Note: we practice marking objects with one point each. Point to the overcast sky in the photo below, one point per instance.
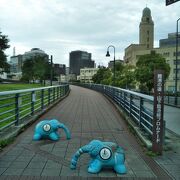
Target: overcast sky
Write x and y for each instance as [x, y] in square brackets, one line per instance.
[61, 26]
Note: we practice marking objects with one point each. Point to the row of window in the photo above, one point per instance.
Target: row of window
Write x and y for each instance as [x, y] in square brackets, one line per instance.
[178, 70]
[178, 62]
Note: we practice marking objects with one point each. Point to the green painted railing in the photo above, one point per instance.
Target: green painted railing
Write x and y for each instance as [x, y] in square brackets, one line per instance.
[19, 105]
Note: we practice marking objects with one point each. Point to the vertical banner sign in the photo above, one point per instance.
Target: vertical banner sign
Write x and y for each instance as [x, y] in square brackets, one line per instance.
[157, 145]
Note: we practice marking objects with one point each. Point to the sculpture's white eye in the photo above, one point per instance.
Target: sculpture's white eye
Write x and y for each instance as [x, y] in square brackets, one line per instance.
[46, 127]
[105, 153]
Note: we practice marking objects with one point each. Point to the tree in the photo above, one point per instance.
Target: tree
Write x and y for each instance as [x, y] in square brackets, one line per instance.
[41, 68]
[103, 76]
[4, 66]
[36, 68]
[27, 70]
[145, 67]
[125, 77]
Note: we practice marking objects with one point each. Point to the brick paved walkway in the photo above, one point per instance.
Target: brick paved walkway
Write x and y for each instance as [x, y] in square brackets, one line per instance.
[89, 115]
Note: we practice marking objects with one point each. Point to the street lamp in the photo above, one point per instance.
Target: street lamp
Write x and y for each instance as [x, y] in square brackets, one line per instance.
[108, 55]
[176, 71]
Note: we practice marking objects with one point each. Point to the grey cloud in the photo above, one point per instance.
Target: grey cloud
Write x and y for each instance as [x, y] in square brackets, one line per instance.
[60, 26]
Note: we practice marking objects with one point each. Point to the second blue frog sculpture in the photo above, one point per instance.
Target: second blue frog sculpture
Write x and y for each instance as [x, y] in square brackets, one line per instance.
[48, 129]
[104, 155]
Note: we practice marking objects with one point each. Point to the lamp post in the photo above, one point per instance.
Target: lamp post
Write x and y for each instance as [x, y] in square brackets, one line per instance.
[176, 71]
[108, 55]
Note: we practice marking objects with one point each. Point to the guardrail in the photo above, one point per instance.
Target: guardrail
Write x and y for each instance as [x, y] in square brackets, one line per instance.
[20, 104]
[137, 105]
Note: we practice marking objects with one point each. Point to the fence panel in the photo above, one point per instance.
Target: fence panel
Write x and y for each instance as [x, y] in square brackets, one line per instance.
[16, 106]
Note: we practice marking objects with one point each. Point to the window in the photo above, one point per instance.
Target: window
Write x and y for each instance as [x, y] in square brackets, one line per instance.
[177, 54]
[178, 70]
[178, 62]
[166, 54]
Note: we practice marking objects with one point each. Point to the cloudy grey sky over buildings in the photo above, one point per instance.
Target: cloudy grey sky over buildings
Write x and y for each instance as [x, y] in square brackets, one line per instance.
[61, 26]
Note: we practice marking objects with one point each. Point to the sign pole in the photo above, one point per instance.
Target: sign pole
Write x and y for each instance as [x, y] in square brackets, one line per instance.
[158, 127]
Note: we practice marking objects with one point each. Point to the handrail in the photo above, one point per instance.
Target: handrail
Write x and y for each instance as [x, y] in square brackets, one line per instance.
[27, 90]
[151, 98]
[23, 104]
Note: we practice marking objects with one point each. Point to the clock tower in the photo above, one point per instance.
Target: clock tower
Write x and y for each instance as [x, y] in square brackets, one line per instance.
[146, 29]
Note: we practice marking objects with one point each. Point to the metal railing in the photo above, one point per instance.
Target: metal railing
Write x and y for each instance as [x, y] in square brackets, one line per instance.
[138, 106]
[15, 106]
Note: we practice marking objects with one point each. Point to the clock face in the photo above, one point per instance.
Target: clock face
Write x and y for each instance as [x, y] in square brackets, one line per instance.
[105, 153]
[46, 127]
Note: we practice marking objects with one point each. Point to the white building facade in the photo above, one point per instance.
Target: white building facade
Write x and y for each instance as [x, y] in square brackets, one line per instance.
[86, 74]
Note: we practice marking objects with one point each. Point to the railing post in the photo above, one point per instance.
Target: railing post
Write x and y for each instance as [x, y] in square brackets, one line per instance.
[58, 92]
[17, 109]
[124, 96]
[130, 104]
[140, 110]
[49, 96]
[53, 94]
[42, 99]
[33, 99]
[63, 90]
[168, 97]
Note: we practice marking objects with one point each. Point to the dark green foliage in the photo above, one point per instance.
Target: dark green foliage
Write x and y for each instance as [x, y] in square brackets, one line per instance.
[4, 66]
[27, 70]
[125, 77]
[145, 67]
[103, 76]
[37, 68]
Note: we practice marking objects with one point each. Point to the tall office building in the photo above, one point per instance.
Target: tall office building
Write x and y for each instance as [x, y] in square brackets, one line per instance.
[78, 60]
[16, 64]
[59, 69]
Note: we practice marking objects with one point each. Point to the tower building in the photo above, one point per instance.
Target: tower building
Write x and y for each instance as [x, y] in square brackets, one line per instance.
[146, 29]
[167, 49]
[146, 38]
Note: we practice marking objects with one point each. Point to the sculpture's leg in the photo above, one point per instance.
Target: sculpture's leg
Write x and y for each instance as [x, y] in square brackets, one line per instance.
[54, 136]
[37, 137]
[57, 134]
[95, 166]
[119, 167]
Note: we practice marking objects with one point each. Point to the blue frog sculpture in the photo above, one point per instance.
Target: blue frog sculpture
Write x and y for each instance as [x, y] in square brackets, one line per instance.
[104, 155]
[48, 129]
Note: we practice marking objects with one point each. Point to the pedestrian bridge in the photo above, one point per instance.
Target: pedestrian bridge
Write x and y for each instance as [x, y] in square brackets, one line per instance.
[89, 115]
